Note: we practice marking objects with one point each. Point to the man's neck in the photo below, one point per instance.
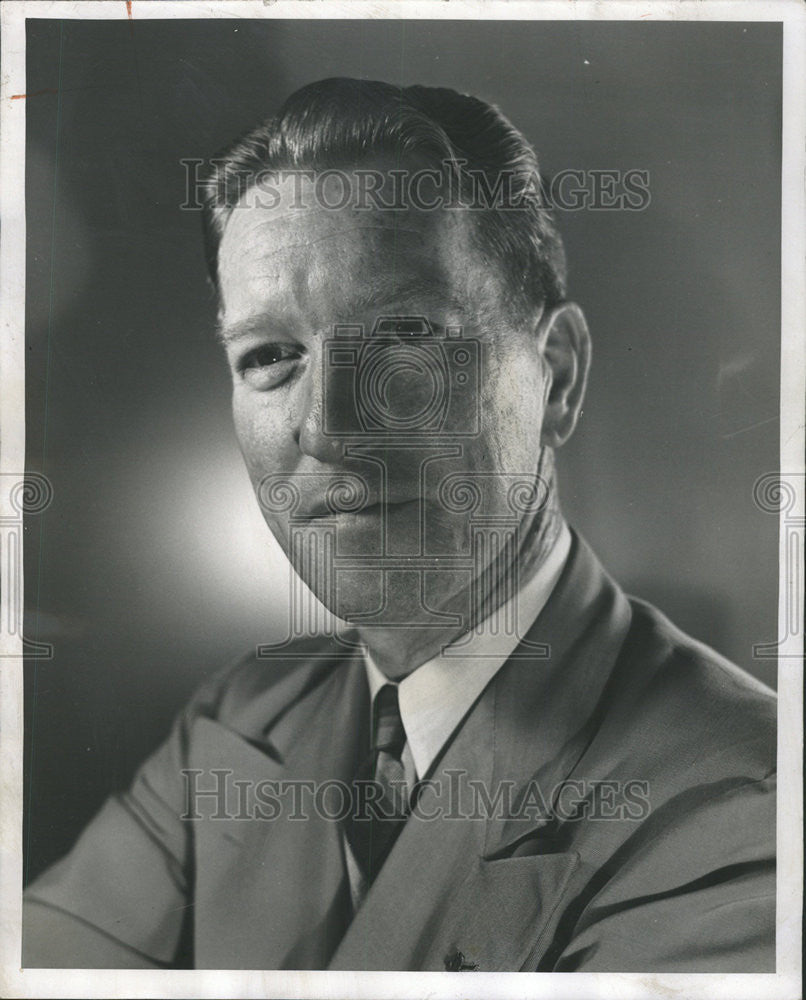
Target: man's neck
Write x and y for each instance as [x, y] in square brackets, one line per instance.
[399, 650]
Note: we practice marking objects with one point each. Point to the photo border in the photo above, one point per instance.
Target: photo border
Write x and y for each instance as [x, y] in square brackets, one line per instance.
[786, 982]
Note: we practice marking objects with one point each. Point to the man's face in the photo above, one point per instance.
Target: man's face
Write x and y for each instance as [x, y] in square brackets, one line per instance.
[431, 433]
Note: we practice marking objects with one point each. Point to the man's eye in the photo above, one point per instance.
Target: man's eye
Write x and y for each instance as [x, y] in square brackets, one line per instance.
[269, 365]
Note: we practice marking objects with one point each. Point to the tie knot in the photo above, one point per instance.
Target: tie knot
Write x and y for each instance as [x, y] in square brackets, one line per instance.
[389, 732]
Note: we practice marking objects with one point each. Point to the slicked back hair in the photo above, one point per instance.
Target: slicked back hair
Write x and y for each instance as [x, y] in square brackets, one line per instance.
[343, 123]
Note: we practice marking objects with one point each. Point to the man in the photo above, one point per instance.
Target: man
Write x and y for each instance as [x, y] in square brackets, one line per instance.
[500, 763]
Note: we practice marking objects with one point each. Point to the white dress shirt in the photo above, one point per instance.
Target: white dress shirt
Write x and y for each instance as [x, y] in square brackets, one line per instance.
[435, 697]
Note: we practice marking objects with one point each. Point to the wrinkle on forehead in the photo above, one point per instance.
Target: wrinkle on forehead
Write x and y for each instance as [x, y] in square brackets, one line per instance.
[313, 241]
[269, 261]
[318, 222]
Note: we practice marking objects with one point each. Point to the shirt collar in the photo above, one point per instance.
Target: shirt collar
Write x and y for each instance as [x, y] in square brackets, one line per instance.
[435, 697]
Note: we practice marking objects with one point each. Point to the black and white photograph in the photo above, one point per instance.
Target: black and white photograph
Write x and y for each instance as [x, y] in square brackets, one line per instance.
[402, 499]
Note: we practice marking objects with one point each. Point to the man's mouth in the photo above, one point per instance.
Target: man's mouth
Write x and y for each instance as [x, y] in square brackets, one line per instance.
[375, 508]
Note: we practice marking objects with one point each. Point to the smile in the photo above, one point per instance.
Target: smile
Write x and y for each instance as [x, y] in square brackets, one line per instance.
[373, 510]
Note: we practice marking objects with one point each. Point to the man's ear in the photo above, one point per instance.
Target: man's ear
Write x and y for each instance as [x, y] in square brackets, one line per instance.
[566, 348]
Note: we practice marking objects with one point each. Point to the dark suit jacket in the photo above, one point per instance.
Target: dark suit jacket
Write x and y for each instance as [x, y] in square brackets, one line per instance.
[605, 883]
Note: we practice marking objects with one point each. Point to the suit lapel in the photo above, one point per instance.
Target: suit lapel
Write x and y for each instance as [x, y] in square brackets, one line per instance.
[271, 889]
[547, 711]
[404, 908]
[489, 887]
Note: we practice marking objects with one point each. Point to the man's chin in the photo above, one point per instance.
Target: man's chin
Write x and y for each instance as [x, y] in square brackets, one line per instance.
[396, 597]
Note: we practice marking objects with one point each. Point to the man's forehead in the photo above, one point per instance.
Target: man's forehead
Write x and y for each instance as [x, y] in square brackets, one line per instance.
[285, 227]
[361, 259]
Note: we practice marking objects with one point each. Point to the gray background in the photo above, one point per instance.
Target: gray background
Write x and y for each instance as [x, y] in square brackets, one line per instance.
[151, 568]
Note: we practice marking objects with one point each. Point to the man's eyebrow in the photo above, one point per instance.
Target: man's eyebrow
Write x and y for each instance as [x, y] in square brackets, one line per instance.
[228, 332]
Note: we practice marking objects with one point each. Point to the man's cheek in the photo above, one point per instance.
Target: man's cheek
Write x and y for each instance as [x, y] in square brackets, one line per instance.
[512, 411]
[260, 442]
[244, 426]
[279, 528]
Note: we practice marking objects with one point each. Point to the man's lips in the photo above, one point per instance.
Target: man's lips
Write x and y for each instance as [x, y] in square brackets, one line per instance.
[374, 509]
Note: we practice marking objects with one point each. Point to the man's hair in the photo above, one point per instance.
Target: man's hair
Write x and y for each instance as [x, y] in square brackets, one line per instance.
[341, 123]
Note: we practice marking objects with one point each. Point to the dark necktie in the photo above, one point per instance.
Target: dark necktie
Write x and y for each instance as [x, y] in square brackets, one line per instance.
[381, 799]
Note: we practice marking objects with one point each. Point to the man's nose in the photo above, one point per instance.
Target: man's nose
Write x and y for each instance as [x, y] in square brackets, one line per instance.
[328, 413]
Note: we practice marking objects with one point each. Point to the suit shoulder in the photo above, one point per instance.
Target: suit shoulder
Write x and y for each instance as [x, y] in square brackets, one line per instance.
[273, 678]
[679, 650]
[691, 702]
